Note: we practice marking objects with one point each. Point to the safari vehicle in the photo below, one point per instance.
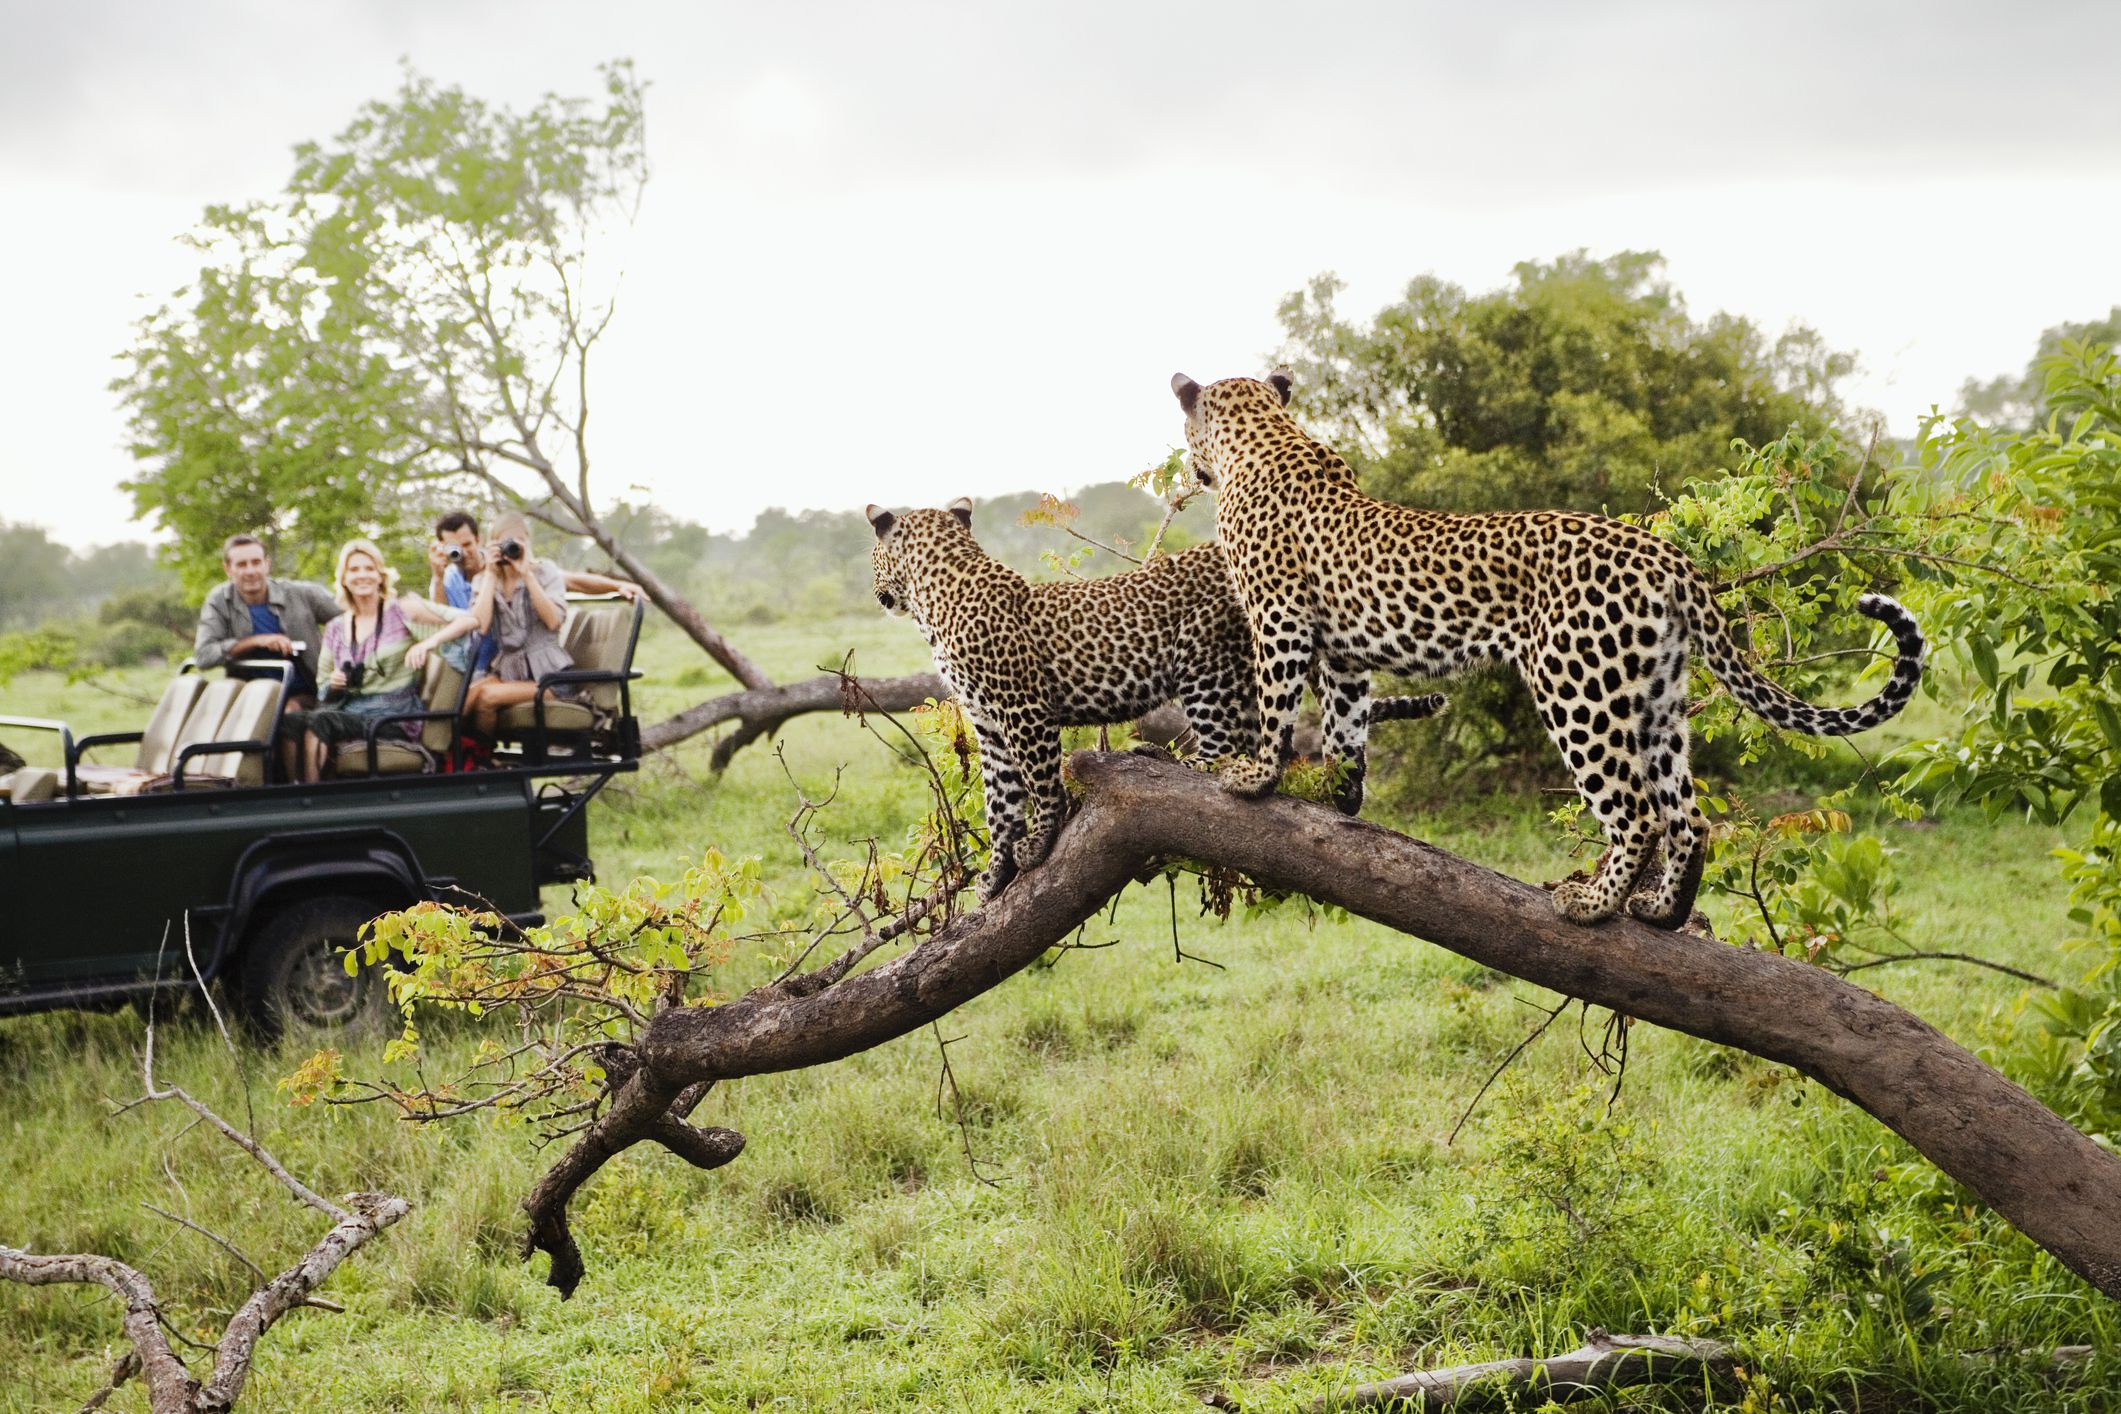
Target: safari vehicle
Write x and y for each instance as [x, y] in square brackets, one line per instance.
[191, 865]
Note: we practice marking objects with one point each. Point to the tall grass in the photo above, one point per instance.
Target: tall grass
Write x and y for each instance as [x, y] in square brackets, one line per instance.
[1195, 1176]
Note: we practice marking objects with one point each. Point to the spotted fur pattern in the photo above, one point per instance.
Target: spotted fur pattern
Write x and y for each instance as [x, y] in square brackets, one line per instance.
[1025, 660]
[1596, 615]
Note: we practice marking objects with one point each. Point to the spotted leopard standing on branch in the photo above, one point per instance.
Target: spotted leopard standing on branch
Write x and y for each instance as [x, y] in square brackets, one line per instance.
[1025, 660]
[1597, 616]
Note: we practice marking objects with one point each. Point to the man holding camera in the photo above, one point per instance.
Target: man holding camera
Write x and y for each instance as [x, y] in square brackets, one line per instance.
[456, 559]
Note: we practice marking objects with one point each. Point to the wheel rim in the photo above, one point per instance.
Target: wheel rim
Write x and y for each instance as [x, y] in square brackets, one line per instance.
[319, 991]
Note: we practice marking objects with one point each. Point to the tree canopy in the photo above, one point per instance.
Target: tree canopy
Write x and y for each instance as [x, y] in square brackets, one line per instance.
[1584, 383]
[409, 321]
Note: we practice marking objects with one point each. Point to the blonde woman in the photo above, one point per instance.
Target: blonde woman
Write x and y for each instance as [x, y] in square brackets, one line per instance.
[372, 656]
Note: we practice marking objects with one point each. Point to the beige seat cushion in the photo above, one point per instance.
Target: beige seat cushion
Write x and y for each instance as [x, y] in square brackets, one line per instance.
[441, 689]
[560, 716]
[30, 784]
[393, 758]
[203, 723]
[157, 742]
[596, 640]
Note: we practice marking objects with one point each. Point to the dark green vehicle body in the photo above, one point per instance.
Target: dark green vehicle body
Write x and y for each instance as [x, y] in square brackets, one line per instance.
[103, 886]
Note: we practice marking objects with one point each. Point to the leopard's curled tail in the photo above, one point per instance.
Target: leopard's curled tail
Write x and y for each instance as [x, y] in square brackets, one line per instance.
[1712, 636]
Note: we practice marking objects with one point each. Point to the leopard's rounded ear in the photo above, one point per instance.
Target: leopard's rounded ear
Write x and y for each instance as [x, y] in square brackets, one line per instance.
[1281, 380]
[1188, 392]
[962, 509]
[882, 519]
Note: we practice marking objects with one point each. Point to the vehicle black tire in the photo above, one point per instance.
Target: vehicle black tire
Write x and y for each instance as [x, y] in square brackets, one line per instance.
[294, 978]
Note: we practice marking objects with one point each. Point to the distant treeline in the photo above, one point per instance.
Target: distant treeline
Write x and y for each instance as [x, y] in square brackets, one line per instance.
[805, 564]
[789, 564]
[41, 580]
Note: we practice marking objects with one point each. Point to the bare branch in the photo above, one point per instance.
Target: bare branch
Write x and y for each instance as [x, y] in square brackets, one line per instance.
[1845, 968]
[214, 1237]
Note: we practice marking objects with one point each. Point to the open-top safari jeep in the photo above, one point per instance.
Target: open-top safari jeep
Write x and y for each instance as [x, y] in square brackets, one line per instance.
[190, 863]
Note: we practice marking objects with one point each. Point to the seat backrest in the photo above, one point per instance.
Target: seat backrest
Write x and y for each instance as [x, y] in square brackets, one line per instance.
[203, 722]
[249, 718]
[441, 690]
[161, 734]
[597, 639]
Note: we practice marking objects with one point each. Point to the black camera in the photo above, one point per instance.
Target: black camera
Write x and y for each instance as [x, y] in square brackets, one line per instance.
[454, 554]
[355, 673]
[511, 550]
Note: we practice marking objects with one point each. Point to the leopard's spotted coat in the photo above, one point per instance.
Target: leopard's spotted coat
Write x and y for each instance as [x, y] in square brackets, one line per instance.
[1597, 615]
[1025, 660]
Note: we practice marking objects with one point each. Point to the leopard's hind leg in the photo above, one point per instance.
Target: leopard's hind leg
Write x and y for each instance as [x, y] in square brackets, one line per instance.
[1667, 901]
[1344, 704]
[1282, 650]
[1002, 784]
[1222, 708]
[1592, 712]
[1038, 755]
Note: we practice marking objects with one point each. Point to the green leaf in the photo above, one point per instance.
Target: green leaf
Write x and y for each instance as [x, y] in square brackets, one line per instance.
[1984, 655]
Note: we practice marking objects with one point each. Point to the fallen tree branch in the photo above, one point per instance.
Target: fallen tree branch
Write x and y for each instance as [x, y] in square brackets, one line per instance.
[761, 711]
[2053, 1183]
[1602, 1362]
[170, 1386]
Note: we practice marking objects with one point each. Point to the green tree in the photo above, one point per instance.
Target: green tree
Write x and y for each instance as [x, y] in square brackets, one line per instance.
[1582, 384]
[411, 322]
[2006, 543]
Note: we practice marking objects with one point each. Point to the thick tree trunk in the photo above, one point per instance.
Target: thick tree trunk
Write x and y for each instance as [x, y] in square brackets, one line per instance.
[2058, 1187]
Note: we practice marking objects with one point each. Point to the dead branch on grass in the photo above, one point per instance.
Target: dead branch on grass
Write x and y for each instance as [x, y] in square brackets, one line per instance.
[172, 1389]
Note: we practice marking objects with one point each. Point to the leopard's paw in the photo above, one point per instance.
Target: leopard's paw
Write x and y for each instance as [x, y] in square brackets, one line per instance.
[1000, 871]
[1154, 750]
[1652, 907]
[1032, 849]
[1247, 776]
[1577, 900]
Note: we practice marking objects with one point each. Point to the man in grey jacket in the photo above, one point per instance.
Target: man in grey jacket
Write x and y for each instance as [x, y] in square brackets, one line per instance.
[257, 616]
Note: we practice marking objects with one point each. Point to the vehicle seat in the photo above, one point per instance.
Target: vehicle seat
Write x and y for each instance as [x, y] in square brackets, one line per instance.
[597, 638]
[251, 717]
[442, 689]
[157, 743]
[201, 724]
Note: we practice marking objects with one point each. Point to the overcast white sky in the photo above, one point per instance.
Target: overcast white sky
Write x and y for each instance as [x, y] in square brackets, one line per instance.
[898, 252]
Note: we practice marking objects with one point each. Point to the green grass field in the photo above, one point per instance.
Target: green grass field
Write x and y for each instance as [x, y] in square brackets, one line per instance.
[1188, 1177]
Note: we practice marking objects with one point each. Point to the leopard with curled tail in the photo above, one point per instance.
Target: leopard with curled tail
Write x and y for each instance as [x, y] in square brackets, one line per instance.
[1596, 615]
[1025, 660]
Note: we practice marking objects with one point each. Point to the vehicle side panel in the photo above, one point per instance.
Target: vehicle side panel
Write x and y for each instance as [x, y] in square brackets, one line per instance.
[98, 879]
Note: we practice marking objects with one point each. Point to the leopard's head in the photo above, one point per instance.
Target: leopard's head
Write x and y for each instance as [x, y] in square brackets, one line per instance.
[1215, 413]
[904, 543]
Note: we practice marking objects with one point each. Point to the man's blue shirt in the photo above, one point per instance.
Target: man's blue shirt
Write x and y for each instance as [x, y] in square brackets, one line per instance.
[455, 588]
